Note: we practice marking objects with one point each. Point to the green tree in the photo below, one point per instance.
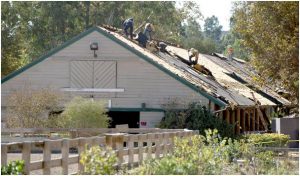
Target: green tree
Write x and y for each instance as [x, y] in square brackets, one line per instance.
[239, 51]
[270, 30]
[12, 41]
[85, 113]
[212, 28]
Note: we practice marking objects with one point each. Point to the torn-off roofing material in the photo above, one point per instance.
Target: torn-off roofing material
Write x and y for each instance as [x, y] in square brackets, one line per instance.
[232, 82]
[219, 90]
[235, 75]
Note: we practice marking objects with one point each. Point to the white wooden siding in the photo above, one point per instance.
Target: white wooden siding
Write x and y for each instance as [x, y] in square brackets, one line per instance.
[150, 119]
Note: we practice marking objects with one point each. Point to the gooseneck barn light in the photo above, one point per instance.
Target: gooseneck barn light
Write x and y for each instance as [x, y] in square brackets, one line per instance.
[94, 47]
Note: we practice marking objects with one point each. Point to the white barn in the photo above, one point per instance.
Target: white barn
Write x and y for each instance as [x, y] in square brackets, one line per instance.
[134, 82]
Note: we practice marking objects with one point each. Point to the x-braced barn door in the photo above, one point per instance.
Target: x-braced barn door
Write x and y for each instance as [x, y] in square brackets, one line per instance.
[93, 74]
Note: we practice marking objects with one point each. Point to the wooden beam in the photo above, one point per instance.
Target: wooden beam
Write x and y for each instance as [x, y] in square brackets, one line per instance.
[243, 119]
[221, 114]
[233, 120]
[253, 119]
[261, 116]
[227, 116]
[256, 120]
[248, 120]
[238, 125]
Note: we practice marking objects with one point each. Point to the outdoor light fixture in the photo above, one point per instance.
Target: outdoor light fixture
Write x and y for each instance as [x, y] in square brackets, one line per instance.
[94, 47]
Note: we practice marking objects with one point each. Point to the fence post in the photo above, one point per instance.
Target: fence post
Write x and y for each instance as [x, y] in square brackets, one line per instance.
[119, 141]
[3, 154]
[165, 143]
[150, 137]
[158, 145]
[141, 139]
[26, 151]
[108, 139]
[130, 151]
[81, 143]
[47, 157]
[115, 141]
[65, 156]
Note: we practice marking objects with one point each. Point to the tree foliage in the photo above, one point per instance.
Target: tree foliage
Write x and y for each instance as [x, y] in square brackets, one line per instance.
[212, 28]
[270, 30]
[29, 108]
[84, 113]
[196, 117]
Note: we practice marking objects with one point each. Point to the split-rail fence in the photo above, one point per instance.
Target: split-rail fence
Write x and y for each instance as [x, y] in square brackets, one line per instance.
[131, 149]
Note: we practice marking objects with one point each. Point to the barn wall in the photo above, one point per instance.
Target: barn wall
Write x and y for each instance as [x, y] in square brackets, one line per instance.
[143, 82]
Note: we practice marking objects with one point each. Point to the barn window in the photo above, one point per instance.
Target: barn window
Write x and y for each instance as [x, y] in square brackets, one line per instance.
[93, 74]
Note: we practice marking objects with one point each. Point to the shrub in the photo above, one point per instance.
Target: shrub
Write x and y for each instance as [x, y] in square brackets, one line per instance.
[13, 168]
[98, 161]
[184, 160]
[85, 113]
[28, 108]
[215, 155]
[268, 139]
[196, 117]
[190, 156]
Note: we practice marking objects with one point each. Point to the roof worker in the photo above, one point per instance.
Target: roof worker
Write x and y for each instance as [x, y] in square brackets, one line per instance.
[149, 31]
[162, 46]
[128, 24]
[193, 53]
[230, 52]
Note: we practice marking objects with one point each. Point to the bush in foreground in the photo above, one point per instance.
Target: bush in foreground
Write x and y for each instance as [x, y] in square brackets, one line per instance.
[13, 168]
[196, 117]
[85, 113]
[215, 155]
[98, 161]
[268, 139]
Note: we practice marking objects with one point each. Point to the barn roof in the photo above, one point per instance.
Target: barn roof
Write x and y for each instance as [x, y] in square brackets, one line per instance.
[231, 84]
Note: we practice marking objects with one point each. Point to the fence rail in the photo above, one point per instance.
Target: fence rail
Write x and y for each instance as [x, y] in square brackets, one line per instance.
[80, 132]
[131, 149]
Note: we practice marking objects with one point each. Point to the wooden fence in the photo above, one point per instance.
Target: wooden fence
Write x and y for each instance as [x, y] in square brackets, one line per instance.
[131, 149]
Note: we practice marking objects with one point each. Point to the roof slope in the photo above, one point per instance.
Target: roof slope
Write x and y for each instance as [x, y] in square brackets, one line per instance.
[227, 87]
[235, 76]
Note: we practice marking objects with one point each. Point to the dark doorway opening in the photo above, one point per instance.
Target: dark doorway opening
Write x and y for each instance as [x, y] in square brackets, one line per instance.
[130, 118]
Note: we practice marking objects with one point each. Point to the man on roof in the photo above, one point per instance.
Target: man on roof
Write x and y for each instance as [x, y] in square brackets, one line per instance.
[193, 53]
[149, 31]
[230, 52]
[128, 24]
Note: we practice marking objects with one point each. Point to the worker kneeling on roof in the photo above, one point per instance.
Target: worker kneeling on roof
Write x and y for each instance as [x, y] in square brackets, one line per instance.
[149, 31]
[128, 24]
[193, 53]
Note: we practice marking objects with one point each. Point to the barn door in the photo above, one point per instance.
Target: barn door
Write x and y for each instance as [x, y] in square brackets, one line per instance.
[93, 74]
[81, 74]
[104, 74]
